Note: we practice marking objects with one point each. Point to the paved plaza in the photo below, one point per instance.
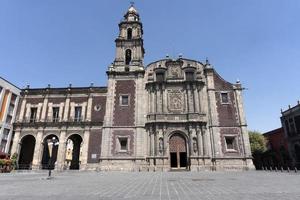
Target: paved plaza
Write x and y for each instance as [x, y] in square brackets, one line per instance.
[150, 185]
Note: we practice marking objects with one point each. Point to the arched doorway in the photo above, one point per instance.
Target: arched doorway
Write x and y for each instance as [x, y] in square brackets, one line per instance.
[46, 154]
[26, 152]
[178, 151]
[73, 151]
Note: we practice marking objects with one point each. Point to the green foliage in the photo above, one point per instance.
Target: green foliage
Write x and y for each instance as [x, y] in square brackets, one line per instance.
[14, 158]
[257, 142]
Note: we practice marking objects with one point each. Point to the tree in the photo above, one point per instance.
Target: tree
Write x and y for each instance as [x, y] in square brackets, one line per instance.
[258, 148]
[257, 142]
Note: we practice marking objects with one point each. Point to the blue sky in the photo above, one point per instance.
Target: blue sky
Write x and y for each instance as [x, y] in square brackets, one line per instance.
[72, 41]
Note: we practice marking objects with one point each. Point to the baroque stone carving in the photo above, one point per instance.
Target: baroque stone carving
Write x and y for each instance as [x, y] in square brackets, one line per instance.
[175, 100]
[174, 69]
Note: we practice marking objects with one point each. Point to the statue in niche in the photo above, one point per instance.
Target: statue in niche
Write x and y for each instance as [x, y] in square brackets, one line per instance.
[195, 146]
[161, 145]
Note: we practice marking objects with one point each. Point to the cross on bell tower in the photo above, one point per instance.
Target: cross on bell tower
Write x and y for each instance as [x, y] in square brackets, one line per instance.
[129, 44]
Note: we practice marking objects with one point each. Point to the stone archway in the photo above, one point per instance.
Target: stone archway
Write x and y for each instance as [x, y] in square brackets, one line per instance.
[178, 151]
[73, 151]
[46, 154]
[26, 152]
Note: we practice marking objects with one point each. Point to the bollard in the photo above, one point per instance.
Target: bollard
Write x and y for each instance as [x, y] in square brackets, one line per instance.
[275, 169]
[295, 169]
[281, 169]
[288, 169]
[270, 168]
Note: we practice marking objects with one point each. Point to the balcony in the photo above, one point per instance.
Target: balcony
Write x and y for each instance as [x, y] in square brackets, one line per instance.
[176, 118]
[28, 122]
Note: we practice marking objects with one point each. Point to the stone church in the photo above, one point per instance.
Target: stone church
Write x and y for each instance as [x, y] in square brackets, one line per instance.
[172, 114]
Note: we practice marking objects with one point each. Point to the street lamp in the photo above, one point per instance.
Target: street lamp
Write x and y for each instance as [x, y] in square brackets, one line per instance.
[51, 143]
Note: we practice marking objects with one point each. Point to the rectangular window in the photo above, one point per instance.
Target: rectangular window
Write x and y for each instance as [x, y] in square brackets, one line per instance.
[33, 112]
[124, 100]
[5, 134]
[11, 109]
[287, 127]
[3, 145]
[292, 126]
[224, 97]
[13, 99]
[123, 144]
[55, 113]
[160, 77]
[189, 76]
[77, 117]
[230, 143]
[297, 122]
[8, 119]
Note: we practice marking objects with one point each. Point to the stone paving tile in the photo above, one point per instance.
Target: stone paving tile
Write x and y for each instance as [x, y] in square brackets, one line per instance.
[150, 185]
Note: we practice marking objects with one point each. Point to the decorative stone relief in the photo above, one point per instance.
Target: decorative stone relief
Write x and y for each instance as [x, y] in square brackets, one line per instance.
[175, 100]
[174, 70]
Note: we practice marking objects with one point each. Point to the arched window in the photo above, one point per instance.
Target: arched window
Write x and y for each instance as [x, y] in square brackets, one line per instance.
[127, 56]
[129, 34]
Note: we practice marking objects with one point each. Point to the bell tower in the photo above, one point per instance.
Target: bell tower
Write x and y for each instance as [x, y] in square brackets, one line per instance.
[123, 133]
[129, 44]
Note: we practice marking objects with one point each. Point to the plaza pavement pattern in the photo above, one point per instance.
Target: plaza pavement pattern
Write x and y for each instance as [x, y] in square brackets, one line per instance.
[73, 185]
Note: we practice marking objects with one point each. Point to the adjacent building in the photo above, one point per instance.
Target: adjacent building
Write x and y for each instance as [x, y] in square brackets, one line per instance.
[290, 121]
[277, 154]
[172, 114]
[9, 97]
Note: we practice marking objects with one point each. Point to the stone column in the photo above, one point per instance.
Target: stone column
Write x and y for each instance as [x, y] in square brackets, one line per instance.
[44, 109]
[38, 113]
[89, 108]
[149, 99]
[165, 102]
[85, 148]
[200, 142]
[36, 162]
[152, 143]
[154, 110]
[66, 111]
[158, 99]
[27, 115]
[61, 151]
[206, 142]
[190, 99]
[61, 107]
[242, 120]
[213, 114]
[22, 110]
[196, 99]
[16, 141]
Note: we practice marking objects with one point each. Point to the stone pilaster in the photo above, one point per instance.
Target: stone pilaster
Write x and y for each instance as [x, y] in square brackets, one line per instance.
[61, 150]
[196, 99]
[242, 120]
[23, 108]
[36, 162]
[67, 107]
[16, 141]
[200, 142]
[44, 109]
[85, 147]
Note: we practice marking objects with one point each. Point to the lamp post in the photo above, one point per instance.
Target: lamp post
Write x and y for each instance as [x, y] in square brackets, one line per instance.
[51, 144]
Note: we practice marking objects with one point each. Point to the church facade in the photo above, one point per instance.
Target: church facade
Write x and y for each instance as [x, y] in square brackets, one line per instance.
[171, 114]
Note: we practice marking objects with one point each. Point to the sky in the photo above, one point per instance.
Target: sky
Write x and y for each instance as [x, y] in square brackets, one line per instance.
[59, 42]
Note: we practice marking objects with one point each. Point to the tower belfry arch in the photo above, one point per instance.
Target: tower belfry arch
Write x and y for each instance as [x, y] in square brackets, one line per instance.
[129, 44]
